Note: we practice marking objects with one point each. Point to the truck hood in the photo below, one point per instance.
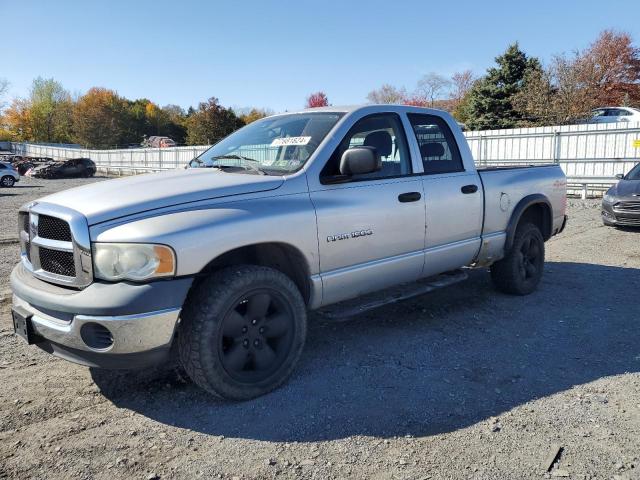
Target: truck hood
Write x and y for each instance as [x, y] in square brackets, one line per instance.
[112, 199]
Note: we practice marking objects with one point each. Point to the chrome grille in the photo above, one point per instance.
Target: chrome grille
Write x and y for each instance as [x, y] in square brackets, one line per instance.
[635, 222]
[53, 228]
[58, 262]
[24, 222]
[23, 233]
[627, 212]
[55, 244]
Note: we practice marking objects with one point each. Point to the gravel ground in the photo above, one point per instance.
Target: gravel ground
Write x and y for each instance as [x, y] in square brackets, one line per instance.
[460, 383]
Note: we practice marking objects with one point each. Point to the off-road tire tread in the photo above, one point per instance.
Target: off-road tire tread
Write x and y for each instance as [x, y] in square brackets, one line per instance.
[504, 273]
[203, 305]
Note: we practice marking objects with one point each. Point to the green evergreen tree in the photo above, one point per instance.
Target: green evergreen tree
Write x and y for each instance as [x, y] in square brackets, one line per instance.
[490, 102]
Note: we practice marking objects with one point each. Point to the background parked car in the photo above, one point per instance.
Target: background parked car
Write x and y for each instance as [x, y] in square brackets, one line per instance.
[75, 167]
[8, 176]
[621, 203]
[614, 114]
[158, 142]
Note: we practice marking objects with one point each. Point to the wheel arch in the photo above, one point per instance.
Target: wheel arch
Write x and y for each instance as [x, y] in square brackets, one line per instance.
[280, 256]
[535, 208]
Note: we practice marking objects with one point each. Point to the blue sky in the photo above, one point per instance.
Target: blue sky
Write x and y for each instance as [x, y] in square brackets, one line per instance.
[273, 54]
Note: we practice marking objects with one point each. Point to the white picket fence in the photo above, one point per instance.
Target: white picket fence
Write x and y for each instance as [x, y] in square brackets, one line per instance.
[590, 155]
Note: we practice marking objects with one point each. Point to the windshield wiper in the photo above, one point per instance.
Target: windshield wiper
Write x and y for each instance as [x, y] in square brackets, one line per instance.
[250, 166]
[233, 155]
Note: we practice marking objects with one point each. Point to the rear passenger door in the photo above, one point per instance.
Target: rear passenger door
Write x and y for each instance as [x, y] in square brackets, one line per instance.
[453, 197]
[370, 227]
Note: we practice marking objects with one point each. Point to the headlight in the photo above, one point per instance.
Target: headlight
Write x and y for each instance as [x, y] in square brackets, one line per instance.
[608, 198]
[132, 261]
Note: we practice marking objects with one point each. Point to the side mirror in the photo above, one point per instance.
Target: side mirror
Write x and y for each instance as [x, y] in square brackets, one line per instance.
[360, 160]
[620, 176]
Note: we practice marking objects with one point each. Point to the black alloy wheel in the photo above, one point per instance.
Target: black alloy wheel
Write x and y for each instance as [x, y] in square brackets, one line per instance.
[256, 338]
[529, 257]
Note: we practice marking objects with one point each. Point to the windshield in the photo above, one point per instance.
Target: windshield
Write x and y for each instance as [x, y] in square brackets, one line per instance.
[634, 174]
[273, 145]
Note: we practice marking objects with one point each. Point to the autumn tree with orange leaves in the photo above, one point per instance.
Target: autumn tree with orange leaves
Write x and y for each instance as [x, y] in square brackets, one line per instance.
[607, 73]
[610, 69]
[98, 118]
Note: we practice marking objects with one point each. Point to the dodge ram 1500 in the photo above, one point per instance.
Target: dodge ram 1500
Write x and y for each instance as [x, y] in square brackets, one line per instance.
[223, 259]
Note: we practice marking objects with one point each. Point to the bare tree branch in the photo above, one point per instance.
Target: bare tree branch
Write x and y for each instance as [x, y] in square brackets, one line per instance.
[432, 85]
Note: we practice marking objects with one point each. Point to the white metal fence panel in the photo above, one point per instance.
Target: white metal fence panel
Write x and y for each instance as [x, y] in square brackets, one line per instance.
[590, 155]
[131, 159]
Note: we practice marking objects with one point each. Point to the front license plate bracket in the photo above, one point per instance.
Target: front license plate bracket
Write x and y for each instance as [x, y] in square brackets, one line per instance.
[22, 326]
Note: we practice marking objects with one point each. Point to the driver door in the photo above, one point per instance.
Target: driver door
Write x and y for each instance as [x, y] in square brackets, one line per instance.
[371, 228]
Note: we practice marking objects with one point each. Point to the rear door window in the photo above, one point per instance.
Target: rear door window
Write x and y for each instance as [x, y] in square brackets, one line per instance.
[438, 148]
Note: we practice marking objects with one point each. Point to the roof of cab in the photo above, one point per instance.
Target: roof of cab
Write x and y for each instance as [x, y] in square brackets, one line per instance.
[353, 108]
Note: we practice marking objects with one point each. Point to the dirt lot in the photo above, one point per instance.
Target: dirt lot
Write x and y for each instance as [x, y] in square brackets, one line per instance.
[460, 383]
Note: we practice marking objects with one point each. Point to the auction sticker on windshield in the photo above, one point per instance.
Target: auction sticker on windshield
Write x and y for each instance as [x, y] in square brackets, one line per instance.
[287, 141]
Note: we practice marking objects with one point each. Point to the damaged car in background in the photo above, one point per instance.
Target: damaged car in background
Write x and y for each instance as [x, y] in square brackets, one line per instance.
[73, 168]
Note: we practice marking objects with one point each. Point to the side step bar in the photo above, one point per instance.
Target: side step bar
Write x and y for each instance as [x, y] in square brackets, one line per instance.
[350, 308]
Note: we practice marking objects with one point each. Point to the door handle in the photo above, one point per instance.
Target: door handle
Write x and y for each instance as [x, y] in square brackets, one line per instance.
[409, 197]
[469, 189]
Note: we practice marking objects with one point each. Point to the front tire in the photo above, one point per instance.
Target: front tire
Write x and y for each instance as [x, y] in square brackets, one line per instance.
[520, 271]
[242, 331]
[7, 181]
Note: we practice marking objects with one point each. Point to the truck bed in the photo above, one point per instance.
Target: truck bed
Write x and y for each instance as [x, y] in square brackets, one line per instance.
[505, 186]
[512, 167]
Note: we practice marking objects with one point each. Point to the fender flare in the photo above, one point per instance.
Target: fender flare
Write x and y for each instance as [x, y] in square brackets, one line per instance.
[518, 211]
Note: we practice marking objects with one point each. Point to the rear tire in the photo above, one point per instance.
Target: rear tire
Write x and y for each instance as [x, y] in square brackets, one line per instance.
[242, 331]
[520, 271]
[7, 181]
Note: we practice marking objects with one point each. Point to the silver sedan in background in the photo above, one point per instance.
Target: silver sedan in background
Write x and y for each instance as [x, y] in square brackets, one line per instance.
[8, 175]
[621, 203]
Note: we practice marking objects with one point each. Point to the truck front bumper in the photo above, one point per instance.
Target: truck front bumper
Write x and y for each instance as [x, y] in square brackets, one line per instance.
[116, 325]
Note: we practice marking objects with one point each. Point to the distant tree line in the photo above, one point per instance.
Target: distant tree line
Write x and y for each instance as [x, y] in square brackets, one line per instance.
[519, 91]
[101, 118]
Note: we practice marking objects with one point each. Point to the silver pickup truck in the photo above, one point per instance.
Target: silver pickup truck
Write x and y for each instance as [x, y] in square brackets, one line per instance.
[222, 260]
